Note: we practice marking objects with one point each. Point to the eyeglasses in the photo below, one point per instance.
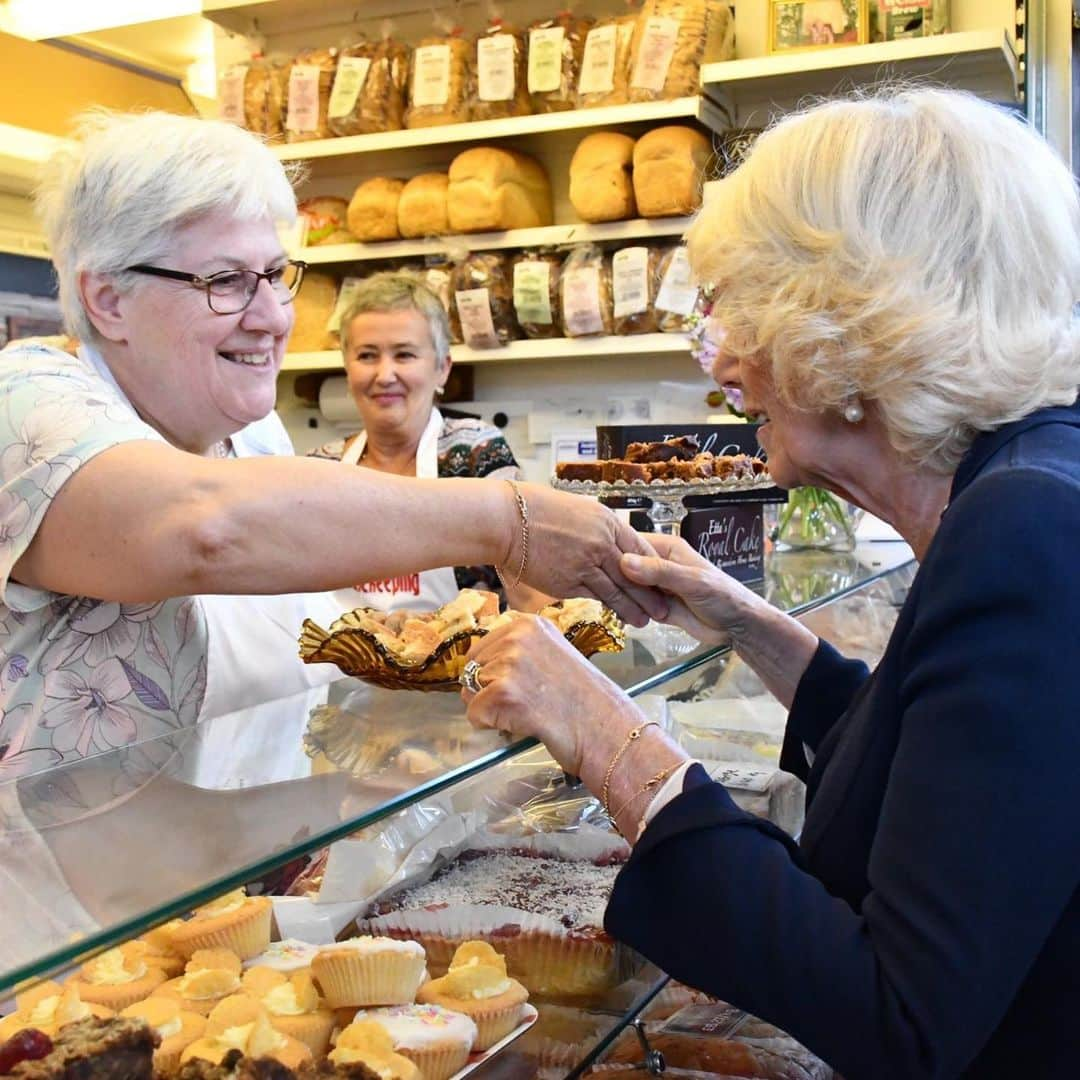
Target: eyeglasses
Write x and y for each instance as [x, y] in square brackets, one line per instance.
[229, 292]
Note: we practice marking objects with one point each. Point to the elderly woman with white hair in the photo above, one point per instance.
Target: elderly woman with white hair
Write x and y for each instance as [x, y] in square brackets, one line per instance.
[895, 286]
[140, 482]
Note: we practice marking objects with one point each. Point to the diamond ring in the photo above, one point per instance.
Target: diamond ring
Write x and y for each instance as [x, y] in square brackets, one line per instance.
[470, 677]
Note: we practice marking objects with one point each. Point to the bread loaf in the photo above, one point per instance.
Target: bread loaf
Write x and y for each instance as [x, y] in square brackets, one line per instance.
[676, 294]
[325, 217]
[669, 46]
[314, 305]
[483, 293]
[605, 63]
[373, 209]
[499, 62]
[492, 189]
[585, 292]
[422, 206]
[311, 80]
[669, 169]
[440, 82]
[601, 186]
[633, 289]
[369, 88]
[555, 47]
[266, 86]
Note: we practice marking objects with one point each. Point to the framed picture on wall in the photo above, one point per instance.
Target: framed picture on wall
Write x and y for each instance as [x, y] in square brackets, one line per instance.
[817, 24]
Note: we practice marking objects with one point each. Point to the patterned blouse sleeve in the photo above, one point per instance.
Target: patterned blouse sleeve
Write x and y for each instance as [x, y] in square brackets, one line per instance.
[55, 415]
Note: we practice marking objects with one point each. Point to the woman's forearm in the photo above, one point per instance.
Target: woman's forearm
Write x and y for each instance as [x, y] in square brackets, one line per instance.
[776, 647]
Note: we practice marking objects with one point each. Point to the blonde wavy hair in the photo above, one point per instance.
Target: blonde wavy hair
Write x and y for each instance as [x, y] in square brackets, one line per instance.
[917, 248]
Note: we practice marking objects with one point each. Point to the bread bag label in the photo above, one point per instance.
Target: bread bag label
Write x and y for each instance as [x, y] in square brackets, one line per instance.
[350, 286]
[545, 59]
[581, 301]
[532, 292]
[655, 51]
[677, 292]
[438, 281]
[431, 78]
[598, 62]
[630, 281]
[495, 67]
[231, 94]
[352, 71]
[474, 311]
[303, 111]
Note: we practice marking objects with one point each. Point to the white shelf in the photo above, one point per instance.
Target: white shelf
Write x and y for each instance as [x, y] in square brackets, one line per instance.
[551, 235]
[590, 348]
[982, 61]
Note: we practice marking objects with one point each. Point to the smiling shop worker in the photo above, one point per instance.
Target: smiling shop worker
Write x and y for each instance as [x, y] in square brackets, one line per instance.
[395, 338]
[140, 562]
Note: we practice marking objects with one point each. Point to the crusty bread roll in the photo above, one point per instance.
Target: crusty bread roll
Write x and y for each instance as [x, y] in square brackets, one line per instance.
[492, 189]
[314, 305]
[325, 216]
[373, 209]
[422, 206]
[669, 169]
[601, 188]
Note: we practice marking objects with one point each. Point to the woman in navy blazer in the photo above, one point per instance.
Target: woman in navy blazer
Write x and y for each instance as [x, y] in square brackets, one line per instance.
[895, 280]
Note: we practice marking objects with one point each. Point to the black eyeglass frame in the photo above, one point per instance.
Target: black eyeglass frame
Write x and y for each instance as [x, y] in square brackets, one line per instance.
[206, 283]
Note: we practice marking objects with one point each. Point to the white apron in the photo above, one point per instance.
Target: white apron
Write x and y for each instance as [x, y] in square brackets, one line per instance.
[423, 591]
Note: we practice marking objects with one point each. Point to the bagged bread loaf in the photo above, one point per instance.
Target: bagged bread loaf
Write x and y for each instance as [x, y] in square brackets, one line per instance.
[601, 182]
[605, 63]
[676, 293]
[634, 280]
[555, 47]
[369, 88]
[440, 82]
[325, 217]
[311, 80]
[265, 92]
[492, 189]
[585, 292]
[373, 209]
[483, 295]
[536, 293]
[669, 168]
[314, 305]
[421, 208]
[500, 65]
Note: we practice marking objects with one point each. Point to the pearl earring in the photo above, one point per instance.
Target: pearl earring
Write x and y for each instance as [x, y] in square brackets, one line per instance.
[853, 411]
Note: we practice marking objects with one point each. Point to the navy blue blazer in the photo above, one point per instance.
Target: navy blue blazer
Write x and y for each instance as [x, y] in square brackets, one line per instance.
[928, 925]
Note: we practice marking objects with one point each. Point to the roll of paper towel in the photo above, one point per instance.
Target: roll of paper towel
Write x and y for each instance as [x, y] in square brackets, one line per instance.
[336, 403]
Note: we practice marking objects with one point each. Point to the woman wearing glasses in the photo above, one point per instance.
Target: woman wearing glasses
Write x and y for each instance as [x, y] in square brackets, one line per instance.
[143, 477]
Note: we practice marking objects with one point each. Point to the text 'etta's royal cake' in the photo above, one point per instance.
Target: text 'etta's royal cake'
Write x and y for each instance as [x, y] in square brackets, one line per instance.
[545, 915]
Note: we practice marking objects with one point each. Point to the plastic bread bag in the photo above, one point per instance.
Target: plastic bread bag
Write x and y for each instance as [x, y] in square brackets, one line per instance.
[555, 47]
[311, 81]
[634, 280]
[440, 85]
[585, 292]
[536, 293]
[500, 63]
[369, 87]
[604, 78]
[265, 92]
[483, 296]
[676, 293]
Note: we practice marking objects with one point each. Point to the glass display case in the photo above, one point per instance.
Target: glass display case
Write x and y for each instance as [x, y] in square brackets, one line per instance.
[101, 850]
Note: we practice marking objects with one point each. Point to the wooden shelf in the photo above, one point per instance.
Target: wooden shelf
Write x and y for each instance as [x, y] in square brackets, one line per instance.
[551, 235]
[590, 348]
[982, 61]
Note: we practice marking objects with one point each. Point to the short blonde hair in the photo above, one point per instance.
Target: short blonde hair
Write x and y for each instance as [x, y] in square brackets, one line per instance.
[117, 194]
[398, 291]
[918, 248]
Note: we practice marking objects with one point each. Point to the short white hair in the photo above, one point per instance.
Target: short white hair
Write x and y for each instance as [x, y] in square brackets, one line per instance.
[918, 248]
[117, 194]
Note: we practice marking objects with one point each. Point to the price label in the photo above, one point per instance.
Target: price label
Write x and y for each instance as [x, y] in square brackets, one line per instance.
[495, 57]
[598, 62]
[545, 59]
[581, 301]
[231, 94]
[630, 281]
[352, 72]
[431, 75]
[677, 292]
[532, 292]
[654, 54]
[303, 110]
[474, 311]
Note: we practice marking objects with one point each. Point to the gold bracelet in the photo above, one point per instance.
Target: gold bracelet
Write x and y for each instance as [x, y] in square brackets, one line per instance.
[631, 737]
[523, 513]
[653, 782]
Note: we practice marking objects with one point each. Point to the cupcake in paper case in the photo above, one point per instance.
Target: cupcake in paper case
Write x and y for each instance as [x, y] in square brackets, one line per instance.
[199, 990]
[117, 978]
[48, 1006]
[293, 1005]
[234, 921]
[252, 1034]
[369, 971]
[478, 986]
[176, 1027]
[286, 956]
[437, 1040]
[368, 1044]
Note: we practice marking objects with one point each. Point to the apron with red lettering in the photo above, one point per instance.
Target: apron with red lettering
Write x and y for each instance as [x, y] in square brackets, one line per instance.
[422, 591]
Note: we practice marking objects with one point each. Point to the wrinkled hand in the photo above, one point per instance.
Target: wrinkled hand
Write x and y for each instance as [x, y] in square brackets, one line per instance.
[574, 550]
[535, 683]
[704, 601]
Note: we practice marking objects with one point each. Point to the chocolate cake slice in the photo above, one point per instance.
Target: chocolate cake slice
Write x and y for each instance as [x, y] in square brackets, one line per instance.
[235, 1066]
[682, 448]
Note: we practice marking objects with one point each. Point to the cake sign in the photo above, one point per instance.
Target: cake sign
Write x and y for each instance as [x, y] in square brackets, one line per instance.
[730, 537]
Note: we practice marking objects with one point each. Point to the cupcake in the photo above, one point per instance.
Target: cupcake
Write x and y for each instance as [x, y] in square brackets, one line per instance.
[368, 1043]
[287, 956]
[48, 1007]
[214, 960]
[437, 1040]
[201, 989]
[177, 1028]
[293, 1006]
[234, 921]
[117, 978]
[254, 1038]
[369, 971]
[477, 985]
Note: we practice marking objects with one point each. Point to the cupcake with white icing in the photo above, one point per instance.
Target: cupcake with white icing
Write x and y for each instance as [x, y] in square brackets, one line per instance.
[437, 1040]
[288, 956]
[369, 971]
